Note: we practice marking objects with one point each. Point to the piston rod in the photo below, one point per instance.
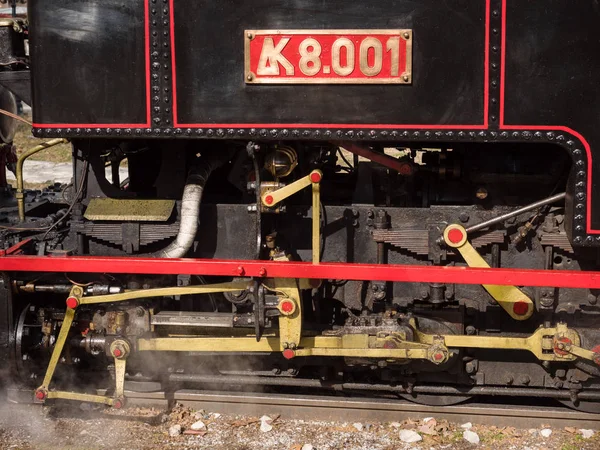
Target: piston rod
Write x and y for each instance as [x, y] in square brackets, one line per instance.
[503, 217]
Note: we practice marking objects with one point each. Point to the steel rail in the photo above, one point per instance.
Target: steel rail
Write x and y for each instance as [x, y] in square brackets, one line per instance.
[351, 409]
[333, 408]
[234, 380]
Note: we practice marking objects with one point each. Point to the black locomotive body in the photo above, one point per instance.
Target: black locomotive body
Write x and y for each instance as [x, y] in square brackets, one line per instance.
[383, 195]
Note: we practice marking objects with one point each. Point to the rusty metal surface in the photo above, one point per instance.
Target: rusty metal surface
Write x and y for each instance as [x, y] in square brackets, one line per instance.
[130, 210]
[560, 240]
[417, 241]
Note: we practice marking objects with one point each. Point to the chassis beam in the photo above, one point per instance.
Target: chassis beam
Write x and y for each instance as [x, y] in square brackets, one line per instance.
[277, 269]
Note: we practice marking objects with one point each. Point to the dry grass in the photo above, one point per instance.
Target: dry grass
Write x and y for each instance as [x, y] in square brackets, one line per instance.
[33, 186]
[24, 140]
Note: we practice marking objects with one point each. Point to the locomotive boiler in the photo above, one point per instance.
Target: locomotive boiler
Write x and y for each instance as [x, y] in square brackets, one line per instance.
[388, 196]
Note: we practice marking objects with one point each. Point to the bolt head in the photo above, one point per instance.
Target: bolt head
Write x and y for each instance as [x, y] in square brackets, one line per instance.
[262, 272]
[40, 394]
[287, 306]
[269, 200]
[390, 345]
[117, 352]
[315, 177]
[481, 193]
[455, 235]
[520, 308]
[240, 270]
[561, 345]
[405, 169]
[72, 302]
[288, 353]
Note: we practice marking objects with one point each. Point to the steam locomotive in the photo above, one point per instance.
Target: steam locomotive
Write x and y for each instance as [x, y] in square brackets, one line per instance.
[386, 196]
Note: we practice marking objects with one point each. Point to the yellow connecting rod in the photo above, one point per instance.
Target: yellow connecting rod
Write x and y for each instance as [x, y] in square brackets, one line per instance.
[518, 305]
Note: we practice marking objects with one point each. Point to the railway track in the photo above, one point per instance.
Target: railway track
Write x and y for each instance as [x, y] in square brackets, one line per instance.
[335, 408]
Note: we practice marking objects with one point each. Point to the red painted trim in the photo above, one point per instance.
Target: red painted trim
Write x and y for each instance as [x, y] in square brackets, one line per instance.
[486, 87]
[173, 69]
[502, 61]
[91, 125]
[331, 125]
[148, 99]
[275, 269]
[340, 126]
[147, 39]
[578, 135]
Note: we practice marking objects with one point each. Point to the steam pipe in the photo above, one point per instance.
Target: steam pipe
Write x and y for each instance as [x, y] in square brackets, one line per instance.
[19, 172]
[517, 212]
[190, 210]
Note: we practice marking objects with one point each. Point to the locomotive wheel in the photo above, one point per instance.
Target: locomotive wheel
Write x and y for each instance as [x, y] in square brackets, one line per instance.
[583, 406]
[435, 326]
[27, 339]
[435, 400]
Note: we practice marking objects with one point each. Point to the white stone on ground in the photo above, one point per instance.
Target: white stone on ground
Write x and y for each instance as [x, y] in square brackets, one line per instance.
[307, 447]
[471, 436]
[265, 424]
[546, 432]
[395, 424]
[410, 436]
[467, 426]
[358, 426]
[586, 434]
[197, 426]
[175, 430]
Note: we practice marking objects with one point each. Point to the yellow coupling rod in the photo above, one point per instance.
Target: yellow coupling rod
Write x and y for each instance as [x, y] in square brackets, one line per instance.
[19, 174]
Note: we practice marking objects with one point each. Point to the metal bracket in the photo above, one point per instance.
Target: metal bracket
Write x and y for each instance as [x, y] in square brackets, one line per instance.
[290, 307]
[271, 199]
[517, 304]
